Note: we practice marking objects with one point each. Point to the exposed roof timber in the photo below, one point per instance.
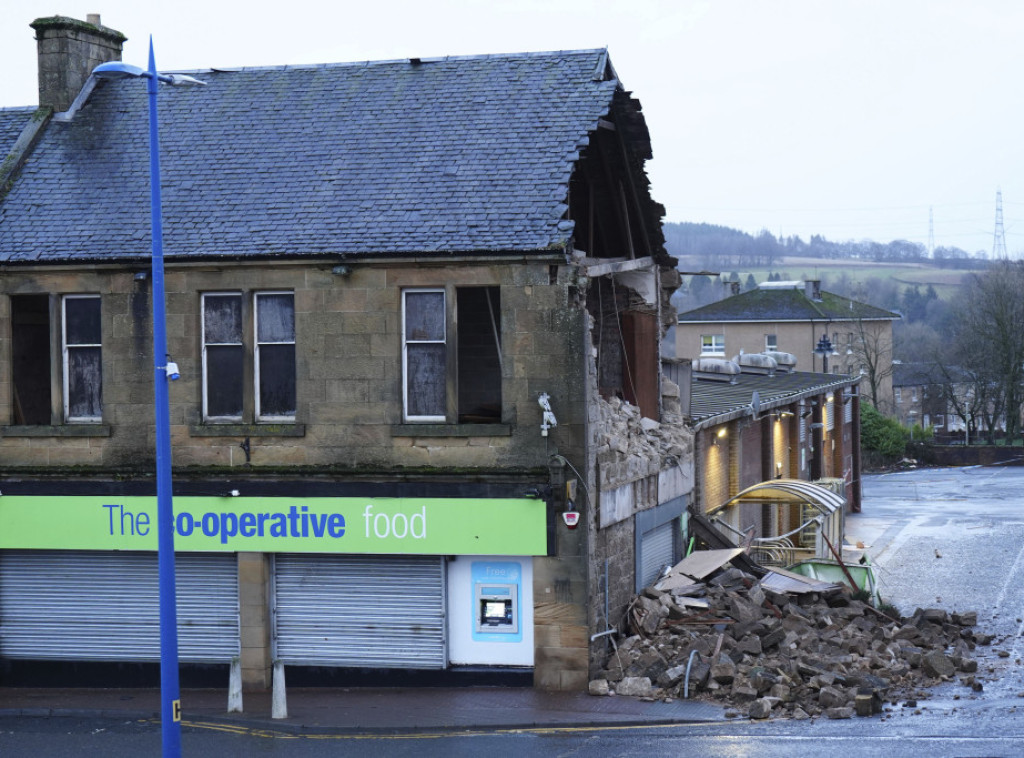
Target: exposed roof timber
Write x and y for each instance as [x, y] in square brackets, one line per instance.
[594, 268]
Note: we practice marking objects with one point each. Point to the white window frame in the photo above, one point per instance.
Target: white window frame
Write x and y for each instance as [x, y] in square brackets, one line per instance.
[260, 416]
[771, 343]
[67, 349]
[405, 351]
[712, 344]
[205, 345]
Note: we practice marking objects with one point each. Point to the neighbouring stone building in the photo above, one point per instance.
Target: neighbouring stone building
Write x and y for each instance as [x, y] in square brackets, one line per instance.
[416, 308]
[797, 319]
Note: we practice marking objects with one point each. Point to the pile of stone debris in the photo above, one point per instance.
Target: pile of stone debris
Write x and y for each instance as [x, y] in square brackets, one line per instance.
[781, 645]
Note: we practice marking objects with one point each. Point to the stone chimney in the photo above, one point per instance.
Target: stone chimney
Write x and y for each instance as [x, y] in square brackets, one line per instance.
[68, 51]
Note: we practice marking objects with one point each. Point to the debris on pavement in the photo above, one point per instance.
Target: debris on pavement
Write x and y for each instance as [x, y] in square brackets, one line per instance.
[783, 645]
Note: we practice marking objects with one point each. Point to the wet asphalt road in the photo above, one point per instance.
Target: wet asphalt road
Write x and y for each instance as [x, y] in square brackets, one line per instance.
[953, 538]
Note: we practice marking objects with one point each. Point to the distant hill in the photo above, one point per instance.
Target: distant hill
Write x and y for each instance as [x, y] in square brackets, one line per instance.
[720, 247]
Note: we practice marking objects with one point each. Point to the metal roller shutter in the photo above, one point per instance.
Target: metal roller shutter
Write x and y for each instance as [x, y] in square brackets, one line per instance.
[92, 606]
[657, 550]
[360, 611]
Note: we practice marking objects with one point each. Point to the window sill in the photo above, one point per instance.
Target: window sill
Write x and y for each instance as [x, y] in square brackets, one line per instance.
[247, 430]
[451, 430]
[61, 430]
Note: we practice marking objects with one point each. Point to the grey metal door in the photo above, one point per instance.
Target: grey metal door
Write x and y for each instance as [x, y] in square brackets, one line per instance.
[102, 606]
[360, 611]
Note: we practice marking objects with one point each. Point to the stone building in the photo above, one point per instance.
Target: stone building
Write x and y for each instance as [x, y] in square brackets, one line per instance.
[798, 319]
[416, 308]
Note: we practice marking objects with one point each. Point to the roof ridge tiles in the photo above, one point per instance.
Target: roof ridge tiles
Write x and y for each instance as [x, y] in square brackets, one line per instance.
[537, 54]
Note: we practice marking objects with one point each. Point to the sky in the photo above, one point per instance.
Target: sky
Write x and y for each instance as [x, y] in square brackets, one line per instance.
[851, 119]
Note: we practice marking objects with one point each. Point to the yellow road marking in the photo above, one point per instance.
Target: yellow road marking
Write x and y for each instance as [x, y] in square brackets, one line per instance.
[282, 735]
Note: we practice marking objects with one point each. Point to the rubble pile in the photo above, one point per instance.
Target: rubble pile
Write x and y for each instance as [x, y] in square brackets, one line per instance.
[809, 650]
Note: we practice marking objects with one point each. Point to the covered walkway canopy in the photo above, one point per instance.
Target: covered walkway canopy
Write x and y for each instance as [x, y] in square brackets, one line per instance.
[821, 519]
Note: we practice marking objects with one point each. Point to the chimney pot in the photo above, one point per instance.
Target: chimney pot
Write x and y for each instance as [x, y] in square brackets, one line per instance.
[68, 50]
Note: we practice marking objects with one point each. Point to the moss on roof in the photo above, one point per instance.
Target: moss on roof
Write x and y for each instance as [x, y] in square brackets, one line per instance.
[785, 305]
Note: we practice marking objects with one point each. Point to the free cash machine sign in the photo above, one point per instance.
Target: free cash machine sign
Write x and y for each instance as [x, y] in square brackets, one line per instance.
[414, 526]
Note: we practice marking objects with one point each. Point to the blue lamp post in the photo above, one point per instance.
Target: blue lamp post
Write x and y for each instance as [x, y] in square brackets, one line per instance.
[163, 372]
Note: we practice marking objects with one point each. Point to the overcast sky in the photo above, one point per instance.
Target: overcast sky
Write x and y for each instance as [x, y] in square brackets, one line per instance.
[851, 119]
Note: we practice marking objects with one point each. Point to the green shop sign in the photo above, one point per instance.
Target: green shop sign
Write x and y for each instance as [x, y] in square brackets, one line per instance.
[410, 526]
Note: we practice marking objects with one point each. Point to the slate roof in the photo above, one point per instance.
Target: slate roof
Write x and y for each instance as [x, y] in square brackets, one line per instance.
[714, 402]
[12, 121]
[453, 155]
[785, 305]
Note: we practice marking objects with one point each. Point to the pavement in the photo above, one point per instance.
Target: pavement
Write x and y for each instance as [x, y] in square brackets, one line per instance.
[364, 710]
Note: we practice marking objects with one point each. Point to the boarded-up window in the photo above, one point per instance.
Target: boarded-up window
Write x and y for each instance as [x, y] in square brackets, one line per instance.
[641, 384]
[83, 374]
[223, 356]
[30, 359]
[275, 355]
[424, 355]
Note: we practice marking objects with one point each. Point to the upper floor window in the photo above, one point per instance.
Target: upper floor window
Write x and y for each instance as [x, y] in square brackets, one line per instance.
[451, 362]
[224, 357]
[771, 342]
[275, 355]
[82, 347]
[898, 393]
[73, 322]
[712, 344]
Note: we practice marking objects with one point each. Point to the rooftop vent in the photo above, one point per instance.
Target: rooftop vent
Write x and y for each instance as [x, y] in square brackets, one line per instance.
[785, 363]
[756, 363]
[716, 370]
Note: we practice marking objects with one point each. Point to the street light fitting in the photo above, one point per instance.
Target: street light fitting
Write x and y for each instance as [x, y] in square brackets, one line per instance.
[121, 70]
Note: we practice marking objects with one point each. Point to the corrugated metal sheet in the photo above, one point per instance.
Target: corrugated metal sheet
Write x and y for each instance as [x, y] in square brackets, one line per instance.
[99, 606]
[360, 611]
[713, 403]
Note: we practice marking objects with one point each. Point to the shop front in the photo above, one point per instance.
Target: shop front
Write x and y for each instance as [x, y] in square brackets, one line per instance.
[351, 582]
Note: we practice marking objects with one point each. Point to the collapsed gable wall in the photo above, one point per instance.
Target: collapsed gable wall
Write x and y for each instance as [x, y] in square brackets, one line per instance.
[637, 464]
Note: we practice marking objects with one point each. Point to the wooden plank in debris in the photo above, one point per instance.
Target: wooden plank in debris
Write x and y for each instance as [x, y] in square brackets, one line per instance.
[695, 566]
[691, 602]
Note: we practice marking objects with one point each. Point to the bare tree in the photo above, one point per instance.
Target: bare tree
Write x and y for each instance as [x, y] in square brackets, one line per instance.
[990, 336]
[872, 350]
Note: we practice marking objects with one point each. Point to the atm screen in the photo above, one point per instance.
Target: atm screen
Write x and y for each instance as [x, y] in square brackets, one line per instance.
[494, 610]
